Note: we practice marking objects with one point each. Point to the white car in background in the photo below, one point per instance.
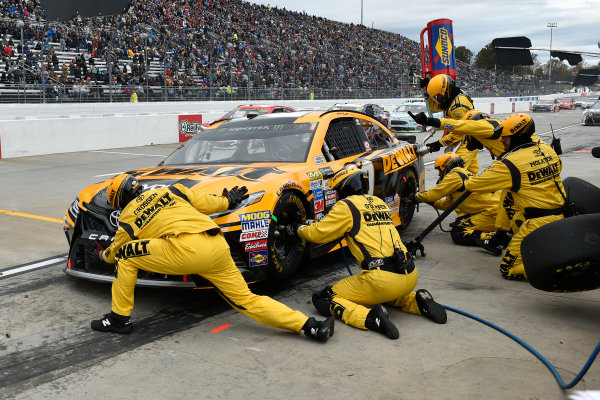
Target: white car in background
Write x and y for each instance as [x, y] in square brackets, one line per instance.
[402, 122]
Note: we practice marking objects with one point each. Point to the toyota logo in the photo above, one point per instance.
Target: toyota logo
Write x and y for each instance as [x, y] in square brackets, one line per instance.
[114, 218]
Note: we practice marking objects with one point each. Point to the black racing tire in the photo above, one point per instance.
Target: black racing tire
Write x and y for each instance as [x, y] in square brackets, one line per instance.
[286, 252]
[564, 256]
[585, 195]
[406, 208]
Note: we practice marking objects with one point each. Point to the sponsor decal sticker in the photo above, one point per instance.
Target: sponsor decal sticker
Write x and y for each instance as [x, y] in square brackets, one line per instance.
[288, 185]
[258, 258]
[315, 185]
[319, 216]
[314, 175]
[255, 235]
[319, 160]
[253, 216]
[255, 245]
[327, 172]
[367, 145]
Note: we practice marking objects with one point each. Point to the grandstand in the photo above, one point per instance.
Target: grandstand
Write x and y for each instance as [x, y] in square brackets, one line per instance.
[206, 50]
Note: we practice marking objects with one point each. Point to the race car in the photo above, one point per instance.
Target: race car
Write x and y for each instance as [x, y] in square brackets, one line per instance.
[285, 160]
[370, 109]
[549, 105]
[245, 110]
[591, 116]
[402, 122]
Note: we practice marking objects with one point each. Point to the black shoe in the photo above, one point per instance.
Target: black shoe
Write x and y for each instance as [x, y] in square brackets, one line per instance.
[490, 245]
[379, 321]
[319, 330]
[429, 308]
[322, 304]
[112, 322]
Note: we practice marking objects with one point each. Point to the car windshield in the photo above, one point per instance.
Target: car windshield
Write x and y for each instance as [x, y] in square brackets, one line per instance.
[243, 112]
[413, 108]
[565, 100]
[596, 104]
[247, 141]
[546, 102]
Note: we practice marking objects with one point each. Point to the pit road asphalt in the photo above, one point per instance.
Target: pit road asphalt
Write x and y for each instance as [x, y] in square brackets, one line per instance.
[48, 351]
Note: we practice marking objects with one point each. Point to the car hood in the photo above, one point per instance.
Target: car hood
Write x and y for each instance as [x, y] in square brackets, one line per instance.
[401, 115]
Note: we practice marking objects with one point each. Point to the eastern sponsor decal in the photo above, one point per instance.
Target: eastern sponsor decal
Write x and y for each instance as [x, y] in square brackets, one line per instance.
[258, 258]
[255, 235]
[145, 216]
[258, 225]
[288, 185]
[319, 160]
[314, 175]
[330, 197]
[133, 249]
[394, 162]
[255, 245]
[315, 185]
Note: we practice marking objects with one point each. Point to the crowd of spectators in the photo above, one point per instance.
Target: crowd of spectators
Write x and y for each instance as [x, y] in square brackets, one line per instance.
[210, 43]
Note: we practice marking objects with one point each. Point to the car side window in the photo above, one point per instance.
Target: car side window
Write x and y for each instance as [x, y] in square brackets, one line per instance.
[378, 138]
[344, 139]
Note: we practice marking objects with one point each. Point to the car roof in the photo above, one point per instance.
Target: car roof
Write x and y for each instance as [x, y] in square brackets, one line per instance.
[259, 106]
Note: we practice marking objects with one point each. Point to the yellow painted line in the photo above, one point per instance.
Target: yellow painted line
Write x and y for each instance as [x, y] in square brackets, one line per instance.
[18, 214]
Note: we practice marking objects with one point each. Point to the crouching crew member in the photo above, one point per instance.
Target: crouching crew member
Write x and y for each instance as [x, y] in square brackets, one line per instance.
[388, 275]
[168, 231]
[531, 172]
[476, 214]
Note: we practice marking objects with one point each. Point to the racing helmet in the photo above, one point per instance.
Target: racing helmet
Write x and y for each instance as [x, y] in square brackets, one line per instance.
[440, 88]
[122, 189]
[519, 127]
[475, 115]
[447, 161]
[348, 181]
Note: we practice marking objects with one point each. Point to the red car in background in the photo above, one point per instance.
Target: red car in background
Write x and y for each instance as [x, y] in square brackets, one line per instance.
[566, 103]
[244, 110]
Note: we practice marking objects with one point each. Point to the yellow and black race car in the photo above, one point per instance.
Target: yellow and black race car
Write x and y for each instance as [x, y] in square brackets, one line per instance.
[285, 161]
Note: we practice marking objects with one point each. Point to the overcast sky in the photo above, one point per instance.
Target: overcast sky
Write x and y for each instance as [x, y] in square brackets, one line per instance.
[475, 23]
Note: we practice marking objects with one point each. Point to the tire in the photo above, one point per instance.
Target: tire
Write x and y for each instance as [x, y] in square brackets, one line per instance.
[406, 208]
[585, 195]
[286, 252]
[564, 256]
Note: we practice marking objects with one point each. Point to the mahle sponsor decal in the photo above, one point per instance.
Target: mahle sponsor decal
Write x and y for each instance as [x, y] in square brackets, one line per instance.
[256, 225]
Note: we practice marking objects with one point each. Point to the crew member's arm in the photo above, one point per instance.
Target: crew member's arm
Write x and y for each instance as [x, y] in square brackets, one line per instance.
[203, 202]
[449, 184]
[496, 177]
[121, 237]
[337, 222]
[481, 128]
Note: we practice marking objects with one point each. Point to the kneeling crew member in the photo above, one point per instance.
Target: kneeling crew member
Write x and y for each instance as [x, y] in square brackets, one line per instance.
[531, 172]
[476, 214]
[387, 276]
[169, 232]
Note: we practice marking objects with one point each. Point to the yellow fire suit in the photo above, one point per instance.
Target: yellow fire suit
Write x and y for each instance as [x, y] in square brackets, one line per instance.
[366, 223]
[476, 214]
[509, 218]
[459, 106]
[167, 231]
[531, 172]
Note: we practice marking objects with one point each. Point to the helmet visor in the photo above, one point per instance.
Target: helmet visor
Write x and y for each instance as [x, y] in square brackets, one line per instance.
[438, 98]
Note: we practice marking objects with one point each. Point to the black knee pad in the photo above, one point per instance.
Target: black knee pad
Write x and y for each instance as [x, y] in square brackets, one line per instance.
[322, 301]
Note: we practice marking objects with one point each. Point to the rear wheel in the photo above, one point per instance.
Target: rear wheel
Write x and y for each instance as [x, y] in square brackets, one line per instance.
[408, 187]
[286, 252]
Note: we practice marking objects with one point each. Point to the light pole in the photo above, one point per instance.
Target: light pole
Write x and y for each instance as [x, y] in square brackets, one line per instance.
[145, 37]
[21, 24]
[550, 25]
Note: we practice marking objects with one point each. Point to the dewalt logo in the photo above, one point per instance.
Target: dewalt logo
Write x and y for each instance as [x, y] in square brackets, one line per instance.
[518, 126]
[444, 46]
[133, 249]
[543, 174]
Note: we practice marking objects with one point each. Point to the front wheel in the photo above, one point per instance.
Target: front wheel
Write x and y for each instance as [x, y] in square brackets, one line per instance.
[286, 252]
[408, 187]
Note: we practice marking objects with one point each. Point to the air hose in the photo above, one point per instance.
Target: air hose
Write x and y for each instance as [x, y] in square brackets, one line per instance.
[543, 360]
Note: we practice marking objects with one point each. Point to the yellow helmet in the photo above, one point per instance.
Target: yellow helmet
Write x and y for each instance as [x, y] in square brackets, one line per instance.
[348, 181]
[475, 115]
[122, 189]
[447, 161]
[517, 125]
[439, 89]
